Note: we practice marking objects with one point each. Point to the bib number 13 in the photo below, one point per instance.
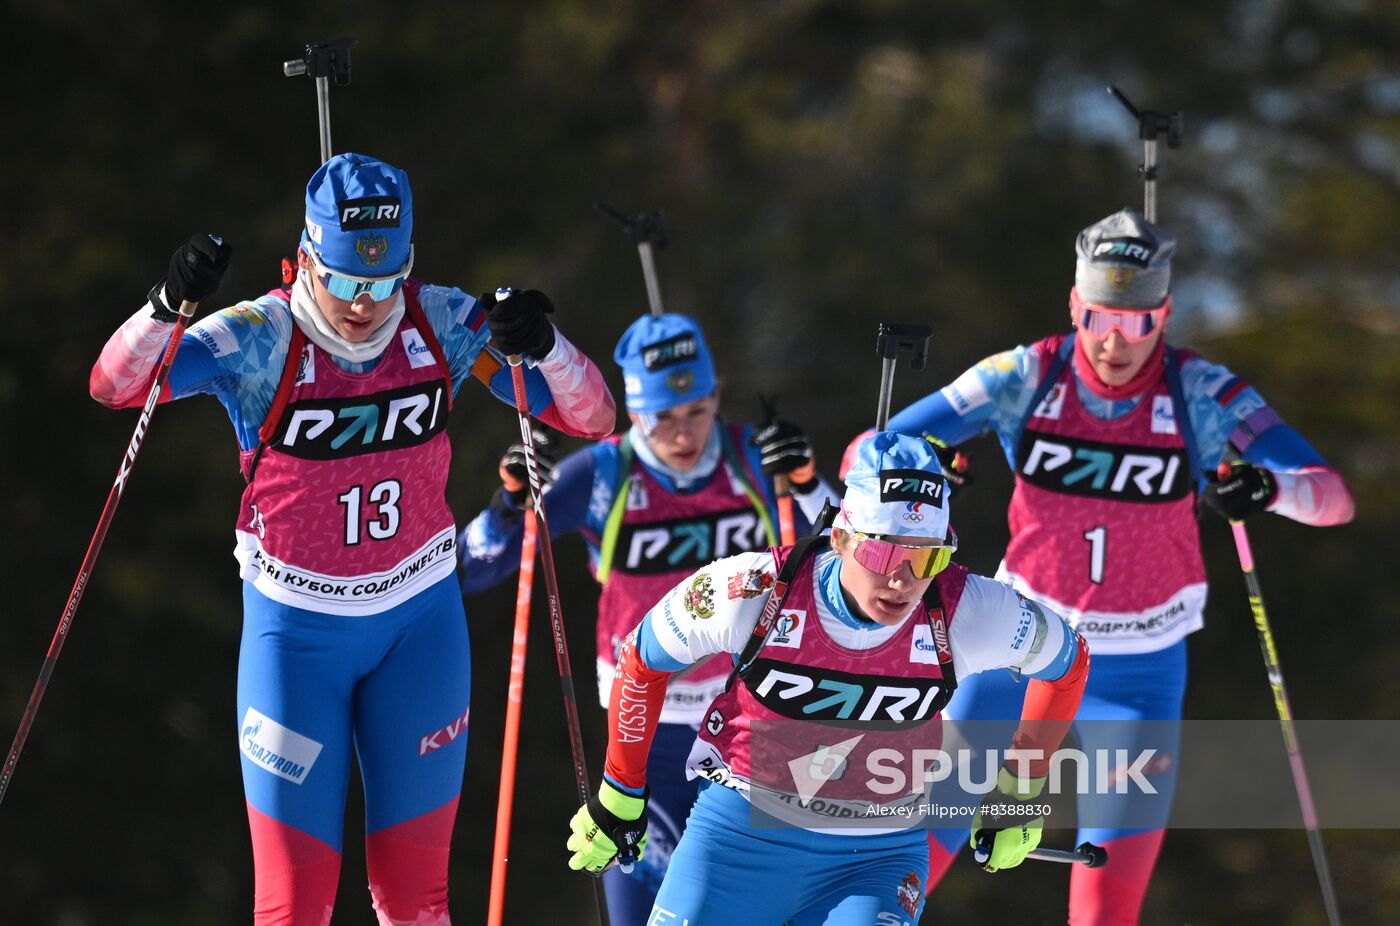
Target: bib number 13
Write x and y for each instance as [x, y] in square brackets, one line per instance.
[378, 511]
[1098, 541]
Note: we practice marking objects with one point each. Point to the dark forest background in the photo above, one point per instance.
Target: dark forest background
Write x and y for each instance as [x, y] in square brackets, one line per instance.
[822, 166]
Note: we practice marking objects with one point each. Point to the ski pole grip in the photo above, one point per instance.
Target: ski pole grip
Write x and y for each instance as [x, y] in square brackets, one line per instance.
[983, 850]
[1094, 856]
[502, 294]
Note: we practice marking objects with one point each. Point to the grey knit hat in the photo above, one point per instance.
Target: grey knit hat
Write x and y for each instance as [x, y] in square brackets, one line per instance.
[1124, 260]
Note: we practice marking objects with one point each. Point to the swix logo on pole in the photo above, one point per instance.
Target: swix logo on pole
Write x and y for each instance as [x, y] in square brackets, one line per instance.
[137, 437]
[1109, 471]
[369, 212]
[911, 485]
[688, 543]
[330, 429]
[842, 699]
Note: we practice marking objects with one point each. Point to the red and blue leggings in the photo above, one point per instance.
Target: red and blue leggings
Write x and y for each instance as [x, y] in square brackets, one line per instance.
[396, 688]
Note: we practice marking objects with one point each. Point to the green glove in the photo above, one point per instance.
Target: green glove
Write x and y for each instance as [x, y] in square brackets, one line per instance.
[1009, 823]
[612, 825]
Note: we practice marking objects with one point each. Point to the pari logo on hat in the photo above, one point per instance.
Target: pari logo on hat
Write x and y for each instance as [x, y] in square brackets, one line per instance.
[895, 488]
[665, 362]
[1138, 251]
[911, 485]
[359, 216]
[669, 352]
[370, 212]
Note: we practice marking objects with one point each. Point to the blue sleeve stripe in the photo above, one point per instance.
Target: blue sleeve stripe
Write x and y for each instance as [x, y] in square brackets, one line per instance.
[635, 792]
[536, 388]
[1063, 659]
[1283, 449]
[651, 650]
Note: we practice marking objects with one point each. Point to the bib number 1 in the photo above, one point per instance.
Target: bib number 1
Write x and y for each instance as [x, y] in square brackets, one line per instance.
[1098, 540]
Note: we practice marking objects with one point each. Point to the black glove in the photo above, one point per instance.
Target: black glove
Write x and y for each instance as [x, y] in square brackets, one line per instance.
[515, 477]
[954, 463]
[518, 323]
[783, 447]
[194, 274]
[1238, 490]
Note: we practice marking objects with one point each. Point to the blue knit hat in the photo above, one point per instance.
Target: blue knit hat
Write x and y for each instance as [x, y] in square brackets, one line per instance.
[665, 363]
[359, 216]
[895, 488]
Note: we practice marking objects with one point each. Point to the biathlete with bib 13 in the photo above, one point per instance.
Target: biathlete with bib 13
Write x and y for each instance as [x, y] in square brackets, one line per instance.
[339, 386]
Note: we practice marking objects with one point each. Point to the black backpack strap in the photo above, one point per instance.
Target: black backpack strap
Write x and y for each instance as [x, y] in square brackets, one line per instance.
[771, 608]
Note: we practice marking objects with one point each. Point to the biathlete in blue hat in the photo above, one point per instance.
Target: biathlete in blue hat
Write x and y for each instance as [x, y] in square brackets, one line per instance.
[677, 491]
[339, 386]
[840, 653]
[1113, 436]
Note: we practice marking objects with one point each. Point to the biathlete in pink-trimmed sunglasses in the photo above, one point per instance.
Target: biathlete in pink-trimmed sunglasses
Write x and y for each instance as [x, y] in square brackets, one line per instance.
[843, 652]
[1113, 437]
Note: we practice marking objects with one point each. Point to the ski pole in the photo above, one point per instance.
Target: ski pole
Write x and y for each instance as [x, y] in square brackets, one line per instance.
[514, 693]
[551, 582]
[787, 529]
[1285, 715]
[1086, 854]
[1151, 123]
[890, 340]
[70, 610]
[322, 60]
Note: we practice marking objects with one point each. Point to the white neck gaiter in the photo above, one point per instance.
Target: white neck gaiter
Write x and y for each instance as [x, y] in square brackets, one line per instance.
[314, 325]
